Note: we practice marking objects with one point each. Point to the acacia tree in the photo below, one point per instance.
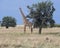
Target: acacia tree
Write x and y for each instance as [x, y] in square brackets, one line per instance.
[8, 21]
[42, 14]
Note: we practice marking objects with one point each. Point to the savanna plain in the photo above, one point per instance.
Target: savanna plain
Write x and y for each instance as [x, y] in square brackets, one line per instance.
[15, 38]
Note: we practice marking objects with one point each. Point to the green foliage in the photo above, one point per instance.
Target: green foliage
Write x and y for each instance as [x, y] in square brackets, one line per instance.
[0, 23]
[57, 25]
[42, 14]
[52, 23]
[8, 22]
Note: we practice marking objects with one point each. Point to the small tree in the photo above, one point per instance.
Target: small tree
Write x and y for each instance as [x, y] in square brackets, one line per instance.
[42, 14]
[8, 22]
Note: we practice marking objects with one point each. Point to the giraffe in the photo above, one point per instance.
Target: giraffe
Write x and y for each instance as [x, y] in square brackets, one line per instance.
[26, 21]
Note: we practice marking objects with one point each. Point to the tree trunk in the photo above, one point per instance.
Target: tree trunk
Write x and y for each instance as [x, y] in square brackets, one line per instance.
[40, 29]
[6, 27]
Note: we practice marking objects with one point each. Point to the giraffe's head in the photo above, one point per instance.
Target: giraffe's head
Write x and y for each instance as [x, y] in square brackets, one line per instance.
[20, 8]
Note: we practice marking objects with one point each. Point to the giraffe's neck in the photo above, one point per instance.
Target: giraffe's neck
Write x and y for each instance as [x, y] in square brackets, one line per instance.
[24, 17]
[22, 13]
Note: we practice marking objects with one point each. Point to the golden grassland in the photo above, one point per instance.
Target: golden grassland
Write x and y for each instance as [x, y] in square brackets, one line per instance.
[15, 38]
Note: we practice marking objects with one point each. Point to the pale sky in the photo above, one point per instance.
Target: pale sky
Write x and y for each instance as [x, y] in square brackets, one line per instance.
[11, 8]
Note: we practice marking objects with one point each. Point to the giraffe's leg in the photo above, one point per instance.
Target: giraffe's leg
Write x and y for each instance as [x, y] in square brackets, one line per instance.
[31, 29]
[24, 28]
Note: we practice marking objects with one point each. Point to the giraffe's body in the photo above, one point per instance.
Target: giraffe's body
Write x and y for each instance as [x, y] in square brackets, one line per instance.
[26, 21]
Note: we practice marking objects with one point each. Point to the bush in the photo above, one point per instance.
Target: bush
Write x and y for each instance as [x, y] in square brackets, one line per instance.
[57, 25]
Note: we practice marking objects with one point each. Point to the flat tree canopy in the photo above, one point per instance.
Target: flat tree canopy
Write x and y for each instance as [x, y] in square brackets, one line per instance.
[42, 14]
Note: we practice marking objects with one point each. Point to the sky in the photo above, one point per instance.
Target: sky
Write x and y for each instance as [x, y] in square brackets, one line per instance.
[11, 8]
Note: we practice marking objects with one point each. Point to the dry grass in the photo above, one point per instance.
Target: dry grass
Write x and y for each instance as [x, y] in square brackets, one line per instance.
[15, 38]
